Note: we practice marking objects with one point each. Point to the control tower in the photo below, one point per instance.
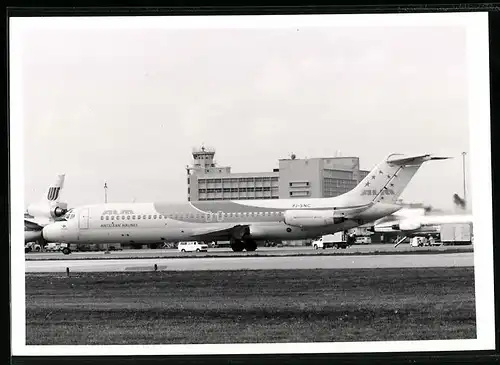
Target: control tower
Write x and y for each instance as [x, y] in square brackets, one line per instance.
[203, 157]
[204, 163]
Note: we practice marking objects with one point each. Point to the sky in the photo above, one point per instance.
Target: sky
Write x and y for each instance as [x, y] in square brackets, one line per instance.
[127, 106]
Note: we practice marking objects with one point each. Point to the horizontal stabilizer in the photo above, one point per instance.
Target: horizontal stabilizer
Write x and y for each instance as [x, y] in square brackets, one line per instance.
[32, 225]
[410, 160]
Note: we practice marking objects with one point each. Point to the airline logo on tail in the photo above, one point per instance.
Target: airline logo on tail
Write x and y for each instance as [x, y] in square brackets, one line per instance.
[375, 192]
[53, 193]
[55, 189]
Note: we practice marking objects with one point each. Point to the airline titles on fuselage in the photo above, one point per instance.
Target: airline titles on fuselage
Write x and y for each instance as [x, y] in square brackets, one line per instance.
[115, 216]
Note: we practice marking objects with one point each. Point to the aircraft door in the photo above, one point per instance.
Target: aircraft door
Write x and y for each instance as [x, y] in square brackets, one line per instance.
[84, 219]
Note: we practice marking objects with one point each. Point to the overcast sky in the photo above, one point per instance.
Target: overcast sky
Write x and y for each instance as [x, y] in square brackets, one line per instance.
[128, 106]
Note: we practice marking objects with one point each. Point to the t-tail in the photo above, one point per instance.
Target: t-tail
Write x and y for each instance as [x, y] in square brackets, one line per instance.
[387, 181]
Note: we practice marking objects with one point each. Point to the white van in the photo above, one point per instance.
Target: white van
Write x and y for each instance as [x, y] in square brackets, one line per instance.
[192, 246]
[363, 240]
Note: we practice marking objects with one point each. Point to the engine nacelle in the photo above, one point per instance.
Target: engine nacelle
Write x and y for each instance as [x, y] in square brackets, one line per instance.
[311, 218]
[407, 225]
[48, 211]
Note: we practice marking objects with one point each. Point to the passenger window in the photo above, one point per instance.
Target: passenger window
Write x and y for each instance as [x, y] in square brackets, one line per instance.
[107, 217]
[138, 217]
[117, 217]
[160, 217]
[144, 216]
[154, 217]
[149, 216]
[133, 217]
[102, 217]
[112, 217]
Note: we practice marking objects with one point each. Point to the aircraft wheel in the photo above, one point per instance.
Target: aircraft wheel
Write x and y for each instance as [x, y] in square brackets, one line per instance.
[27, 249]
[315, 247]
[183, 250]
[197, 250]
[66, 251]
[237, 246]
[250, 246]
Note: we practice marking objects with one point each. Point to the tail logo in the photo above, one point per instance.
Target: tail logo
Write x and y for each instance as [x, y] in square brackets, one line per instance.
[53, 193]
[375, 192]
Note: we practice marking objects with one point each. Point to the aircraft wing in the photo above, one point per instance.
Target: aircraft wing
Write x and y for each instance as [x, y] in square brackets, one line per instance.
[33, 225]
[217, 233]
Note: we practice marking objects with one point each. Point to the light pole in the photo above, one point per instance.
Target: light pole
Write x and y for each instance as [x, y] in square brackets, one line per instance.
[463, 170]
[105, 192]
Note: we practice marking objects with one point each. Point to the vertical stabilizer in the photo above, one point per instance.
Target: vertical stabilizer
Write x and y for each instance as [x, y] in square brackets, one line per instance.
[387, 181]
[54, 191]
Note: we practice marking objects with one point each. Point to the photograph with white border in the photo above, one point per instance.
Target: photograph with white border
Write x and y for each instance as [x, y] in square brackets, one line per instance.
[137, 151]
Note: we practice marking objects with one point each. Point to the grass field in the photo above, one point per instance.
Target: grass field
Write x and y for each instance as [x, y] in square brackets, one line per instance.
[250, 306]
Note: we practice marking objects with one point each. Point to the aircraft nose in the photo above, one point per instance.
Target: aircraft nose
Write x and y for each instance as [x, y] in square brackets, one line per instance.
[52, 232]
[32, 236]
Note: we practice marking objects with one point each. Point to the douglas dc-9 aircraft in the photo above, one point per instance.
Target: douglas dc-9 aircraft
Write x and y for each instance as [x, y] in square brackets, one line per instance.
[241, 222]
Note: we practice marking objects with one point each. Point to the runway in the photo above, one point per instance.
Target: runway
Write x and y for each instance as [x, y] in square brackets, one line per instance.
[227, 252]
[255, 263]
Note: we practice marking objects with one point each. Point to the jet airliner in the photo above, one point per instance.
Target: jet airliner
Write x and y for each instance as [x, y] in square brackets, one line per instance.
[47, 210]
[418, 224]
[242, 222]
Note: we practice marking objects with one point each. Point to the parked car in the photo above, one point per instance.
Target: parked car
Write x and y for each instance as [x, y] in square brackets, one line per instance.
[192, 246]
[363, 240]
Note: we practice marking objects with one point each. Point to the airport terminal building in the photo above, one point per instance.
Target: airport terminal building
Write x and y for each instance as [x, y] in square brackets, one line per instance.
[294, 178]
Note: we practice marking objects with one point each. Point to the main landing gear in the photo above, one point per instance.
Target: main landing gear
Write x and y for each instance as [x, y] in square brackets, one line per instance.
[244, 244]
[66, 250]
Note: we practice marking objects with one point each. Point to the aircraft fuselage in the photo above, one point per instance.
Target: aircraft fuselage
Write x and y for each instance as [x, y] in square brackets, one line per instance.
[148, 223]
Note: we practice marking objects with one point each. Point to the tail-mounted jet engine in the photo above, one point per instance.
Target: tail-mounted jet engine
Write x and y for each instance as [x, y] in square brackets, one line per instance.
[53, 211]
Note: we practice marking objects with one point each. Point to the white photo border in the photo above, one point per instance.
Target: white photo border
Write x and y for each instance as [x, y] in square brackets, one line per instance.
[476, 25]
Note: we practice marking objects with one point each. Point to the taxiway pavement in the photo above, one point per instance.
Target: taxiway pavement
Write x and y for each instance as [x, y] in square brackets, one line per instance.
[227, 252]
[464, 259]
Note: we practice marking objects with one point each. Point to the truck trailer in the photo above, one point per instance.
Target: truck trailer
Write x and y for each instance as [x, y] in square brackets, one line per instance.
[456, 233]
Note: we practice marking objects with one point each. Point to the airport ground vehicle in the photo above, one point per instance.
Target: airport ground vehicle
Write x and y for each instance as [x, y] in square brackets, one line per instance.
[192, 246]
[337, 240]
[456, 233]
[52, 246]
[32, 246]
[417, 241]
[363, 240]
